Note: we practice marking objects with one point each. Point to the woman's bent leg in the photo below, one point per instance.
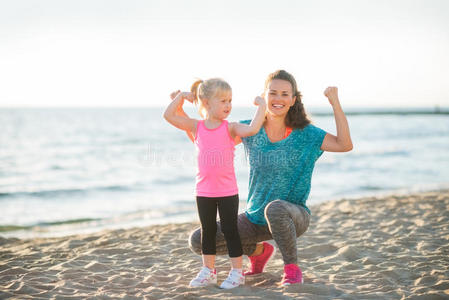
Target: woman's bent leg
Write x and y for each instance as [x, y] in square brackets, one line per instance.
[287, 221]
[250, 234]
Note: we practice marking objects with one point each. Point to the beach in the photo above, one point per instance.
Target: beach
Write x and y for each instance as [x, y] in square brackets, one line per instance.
[392, 247]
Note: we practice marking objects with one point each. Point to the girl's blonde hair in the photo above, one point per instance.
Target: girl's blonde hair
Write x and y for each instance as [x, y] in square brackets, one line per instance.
[204, 90]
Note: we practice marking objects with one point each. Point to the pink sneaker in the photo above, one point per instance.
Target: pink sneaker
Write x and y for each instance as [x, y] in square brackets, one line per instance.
[292, 274]
[258, 262]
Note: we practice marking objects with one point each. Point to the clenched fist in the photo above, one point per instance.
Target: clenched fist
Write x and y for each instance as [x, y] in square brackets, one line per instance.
[259, 101]
[332, 94]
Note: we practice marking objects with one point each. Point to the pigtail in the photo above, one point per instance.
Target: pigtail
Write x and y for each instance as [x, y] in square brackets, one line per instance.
[194, 90]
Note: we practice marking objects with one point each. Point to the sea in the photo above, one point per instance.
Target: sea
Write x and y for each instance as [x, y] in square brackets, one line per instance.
[81, 170]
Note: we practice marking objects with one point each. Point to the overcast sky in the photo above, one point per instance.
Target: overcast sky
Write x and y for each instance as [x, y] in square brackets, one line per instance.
[134, 53]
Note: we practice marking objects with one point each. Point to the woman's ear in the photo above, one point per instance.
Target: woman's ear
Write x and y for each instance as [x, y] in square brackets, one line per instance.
[293, 101]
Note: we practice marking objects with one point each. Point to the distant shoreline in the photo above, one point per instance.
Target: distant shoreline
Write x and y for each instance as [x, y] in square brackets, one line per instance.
[316, 111]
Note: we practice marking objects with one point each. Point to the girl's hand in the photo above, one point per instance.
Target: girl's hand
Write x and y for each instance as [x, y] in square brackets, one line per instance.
[188, 96]
[174, 94]
[332, 94]
[259, 101]
[184, 95]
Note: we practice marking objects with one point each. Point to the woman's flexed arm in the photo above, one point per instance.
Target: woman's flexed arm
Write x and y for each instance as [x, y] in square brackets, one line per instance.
[342, 142]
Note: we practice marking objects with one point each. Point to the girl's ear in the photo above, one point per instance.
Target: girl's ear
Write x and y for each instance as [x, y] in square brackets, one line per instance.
[205, 102]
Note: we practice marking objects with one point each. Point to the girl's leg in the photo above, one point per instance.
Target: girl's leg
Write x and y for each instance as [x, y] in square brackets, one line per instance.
[250, 234]
[287, 221]
[207, 211]
[228, 208]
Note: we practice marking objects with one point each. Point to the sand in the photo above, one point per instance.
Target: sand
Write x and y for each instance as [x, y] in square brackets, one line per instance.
[396, 247]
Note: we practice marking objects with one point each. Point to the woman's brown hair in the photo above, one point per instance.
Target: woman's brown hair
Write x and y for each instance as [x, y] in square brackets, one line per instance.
[296, 116]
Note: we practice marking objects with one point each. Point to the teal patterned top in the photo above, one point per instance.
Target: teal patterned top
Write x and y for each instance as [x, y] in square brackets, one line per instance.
[281, 170]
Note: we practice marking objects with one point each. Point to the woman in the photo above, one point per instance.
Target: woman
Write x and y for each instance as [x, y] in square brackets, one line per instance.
[282, 156]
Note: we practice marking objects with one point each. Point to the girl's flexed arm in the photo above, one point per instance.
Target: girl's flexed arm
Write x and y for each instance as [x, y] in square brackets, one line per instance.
[179, 121]
[342, 142]
[243, 130]
[180, 112]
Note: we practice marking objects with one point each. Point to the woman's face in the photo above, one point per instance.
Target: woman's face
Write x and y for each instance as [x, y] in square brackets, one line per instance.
[279, 97]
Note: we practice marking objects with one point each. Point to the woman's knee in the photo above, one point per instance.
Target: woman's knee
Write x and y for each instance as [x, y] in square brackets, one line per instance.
[195, 241]
[280, 213]
[275, 209]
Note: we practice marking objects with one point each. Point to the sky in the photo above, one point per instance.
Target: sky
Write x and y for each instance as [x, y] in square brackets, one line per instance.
[107, 53]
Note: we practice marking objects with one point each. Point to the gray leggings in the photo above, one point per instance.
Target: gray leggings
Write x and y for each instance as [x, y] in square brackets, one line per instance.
[286, 221]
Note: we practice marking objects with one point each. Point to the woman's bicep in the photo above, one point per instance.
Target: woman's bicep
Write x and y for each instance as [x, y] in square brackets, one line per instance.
[330, 144]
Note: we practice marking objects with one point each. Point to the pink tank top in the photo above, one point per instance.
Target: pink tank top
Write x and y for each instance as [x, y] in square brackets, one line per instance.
[215, 156]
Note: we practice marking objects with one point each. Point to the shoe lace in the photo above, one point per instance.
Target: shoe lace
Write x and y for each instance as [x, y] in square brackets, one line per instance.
[233, 277]
[203, 273]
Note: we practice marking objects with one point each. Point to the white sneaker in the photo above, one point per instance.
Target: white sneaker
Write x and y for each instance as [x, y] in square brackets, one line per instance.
[205, 277]
[235, 278]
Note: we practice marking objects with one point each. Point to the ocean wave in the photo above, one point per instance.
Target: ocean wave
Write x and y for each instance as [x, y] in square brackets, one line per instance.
[7, 228]
[380, 152]
[64, 192]
[373, 188]
[174, 180]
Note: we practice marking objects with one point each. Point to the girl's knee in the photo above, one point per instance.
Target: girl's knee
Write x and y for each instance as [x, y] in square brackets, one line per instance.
[195, 241]
[230, 233]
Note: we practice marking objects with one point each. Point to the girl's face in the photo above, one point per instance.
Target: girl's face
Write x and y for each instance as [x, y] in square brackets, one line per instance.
[220, 105]
[279, 97]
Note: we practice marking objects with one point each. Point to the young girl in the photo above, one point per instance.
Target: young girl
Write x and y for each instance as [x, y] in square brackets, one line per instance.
[216, 185]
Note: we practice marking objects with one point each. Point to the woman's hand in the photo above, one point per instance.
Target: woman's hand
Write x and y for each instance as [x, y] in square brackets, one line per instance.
[332, 95]
[342, 142]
